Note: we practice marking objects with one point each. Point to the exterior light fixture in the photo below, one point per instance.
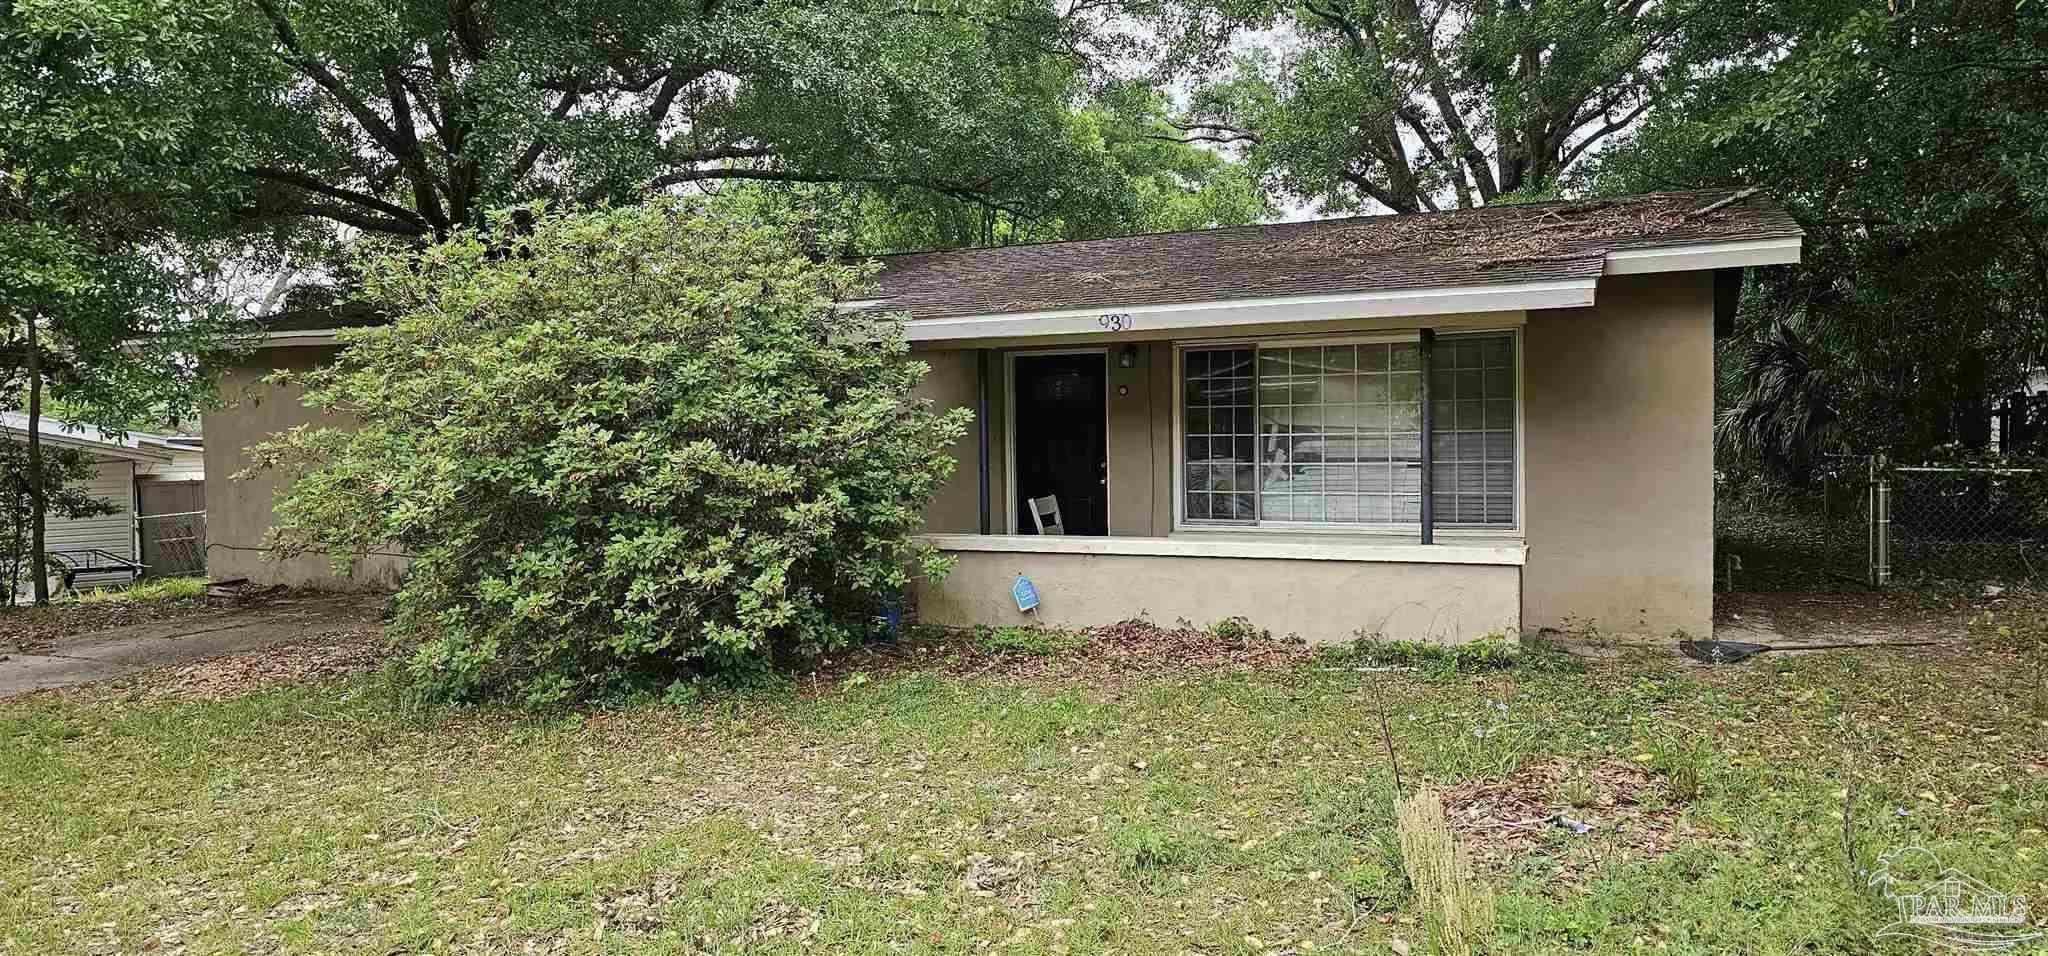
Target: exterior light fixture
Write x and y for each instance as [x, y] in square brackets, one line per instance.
[1128, 357]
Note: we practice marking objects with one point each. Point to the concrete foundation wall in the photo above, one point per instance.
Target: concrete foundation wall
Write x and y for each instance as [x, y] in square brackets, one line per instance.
[239, 511]
[1618, 404]
[1321, 601]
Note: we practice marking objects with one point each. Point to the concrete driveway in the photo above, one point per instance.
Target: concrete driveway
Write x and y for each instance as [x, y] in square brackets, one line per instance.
[85, 658]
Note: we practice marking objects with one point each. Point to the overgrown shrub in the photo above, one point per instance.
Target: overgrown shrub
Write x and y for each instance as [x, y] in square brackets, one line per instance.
[619, 447]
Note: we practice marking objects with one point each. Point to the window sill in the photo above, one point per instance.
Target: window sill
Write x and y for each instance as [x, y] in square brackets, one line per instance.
[1320, 547]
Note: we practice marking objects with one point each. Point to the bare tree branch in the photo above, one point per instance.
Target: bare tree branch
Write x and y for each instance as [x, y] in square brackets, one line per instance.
[1603, 132]
[315, 185]
[524, 164]
[973, 193]
[345, 214]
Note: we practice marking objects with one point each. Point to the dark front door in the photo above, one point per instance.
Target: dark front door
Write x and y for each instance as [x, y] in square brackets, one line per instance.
[1061, 445]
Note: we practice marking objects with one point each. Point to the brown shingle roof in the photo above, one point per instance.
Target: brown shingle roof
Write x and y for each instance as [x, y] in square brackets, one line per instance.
[1488, 246]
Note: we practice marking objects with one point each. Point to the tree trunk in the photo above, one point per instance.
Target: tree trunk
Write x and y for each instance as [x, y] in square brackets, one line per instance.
[38, 564]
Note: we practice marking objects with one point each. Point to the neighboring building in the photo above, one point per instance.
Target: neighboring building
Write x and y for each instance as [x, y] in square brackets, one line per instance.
[1429, 427]
[142, 474]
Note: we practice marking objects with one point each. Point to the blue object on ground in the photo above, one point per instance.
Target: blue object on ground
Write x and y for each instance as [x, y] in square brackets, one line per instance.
[1025, 593]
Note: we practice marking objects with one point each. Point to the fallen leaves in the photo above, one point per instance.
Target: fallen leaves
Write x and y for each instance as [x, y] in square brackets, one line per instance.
[323, 656]
[1631, 811]
[1109, 656]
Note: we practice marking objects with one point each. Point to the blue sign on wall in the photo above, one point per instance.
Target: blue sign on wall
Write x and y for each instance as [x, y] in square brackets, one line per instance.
[1025, 593]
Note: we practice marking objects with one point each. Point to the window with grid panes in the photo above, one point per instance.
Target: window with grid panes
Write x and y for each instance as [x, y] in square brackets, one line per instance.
[1335, 433]
[1472, 398]
[1218, 468]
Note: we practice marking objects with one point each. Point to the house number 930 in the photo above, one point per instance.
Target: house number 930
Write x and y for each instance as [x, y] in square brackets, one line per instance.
[1116, 321]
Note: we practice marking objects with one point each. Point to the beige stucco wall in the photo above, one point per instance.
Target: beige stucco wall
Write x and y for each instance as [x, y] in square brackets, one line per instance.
[239, 511]
[1320, 601]
[1618, 406]
[952, 383]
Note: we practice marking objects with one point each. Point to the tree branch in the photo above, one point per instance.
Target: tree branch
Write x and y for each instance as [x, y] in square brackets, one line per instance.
[311, 184]
[317, 71]
[424, 182]
[532, 154]
[344, 214]
[1603, 132]
[715, 153]
[1440, 92]
[1378, 193]
[961, 191]
[382, 133]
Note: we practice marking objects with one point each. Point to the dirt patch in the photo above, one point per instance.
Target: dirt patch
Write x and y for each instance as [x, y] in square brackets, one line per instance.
[1901, 615]
[323, 656]
[1573, 814]
[1099, 655]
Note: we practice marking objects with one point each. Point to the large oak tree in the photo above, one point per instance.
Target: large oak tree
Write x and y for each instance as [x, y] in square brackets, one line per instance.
[411, 118]
[1414, 105]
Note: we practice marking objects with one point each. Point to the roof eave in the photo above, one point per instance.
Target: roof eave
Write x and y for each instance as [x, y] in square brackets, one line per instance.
[301, 337]
[101, 448]
[1394, 303]
[1697, 256]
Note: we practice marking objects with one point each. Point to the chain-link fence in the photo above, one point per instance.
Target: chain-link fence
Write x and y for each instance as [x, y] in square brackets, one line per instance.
[1965, 525]
[1866, 523]
[173, 545]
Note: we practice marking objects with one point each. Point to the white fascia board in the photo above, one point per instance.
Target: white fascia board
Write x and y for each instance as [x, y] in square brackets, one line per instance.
[1704, 255]
[278, 340]
[1332, 548]
[82, 443]
[1515, 297]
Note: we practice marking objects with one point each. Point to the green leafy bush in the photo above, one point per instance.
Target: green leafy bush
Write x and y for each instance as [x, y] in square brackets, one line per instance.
[620, 448]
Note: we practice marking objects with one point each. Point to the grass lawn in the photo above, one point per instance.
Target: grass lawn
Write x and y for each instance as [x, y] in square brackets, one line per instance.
[155, 589]
[944, 809]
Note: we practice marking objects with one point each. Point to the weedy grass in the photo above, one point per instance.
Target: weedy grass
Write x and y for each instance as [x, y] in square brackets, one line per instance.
[155, 589]
[1492, 653]
[1026, 641]
[926, 813]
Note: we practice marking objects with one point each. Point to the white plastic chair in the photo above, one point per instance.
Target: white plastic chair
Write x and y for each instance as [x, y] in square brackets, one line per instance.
[1047, 507]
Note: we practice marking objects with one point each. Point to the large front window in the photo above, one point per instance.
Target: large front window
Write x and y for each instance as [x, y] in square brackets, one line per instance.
[1279, 434]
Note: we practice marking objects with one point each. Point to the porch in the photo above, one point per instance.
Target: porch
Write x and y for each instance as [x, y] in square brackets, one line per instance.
[1438, 477]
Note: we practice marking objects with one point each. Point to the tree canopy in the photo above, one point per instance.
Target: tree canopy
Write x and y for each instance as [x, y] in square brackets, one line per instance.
[412, 119]
[1913, 146]
[1414, 105]
[109, 188]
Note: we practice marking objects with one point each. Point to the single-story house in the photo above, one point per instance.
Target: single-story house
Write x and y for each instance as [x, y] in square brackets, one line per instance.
[1431, 427]
[143, 475]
